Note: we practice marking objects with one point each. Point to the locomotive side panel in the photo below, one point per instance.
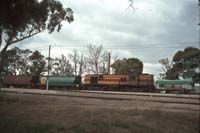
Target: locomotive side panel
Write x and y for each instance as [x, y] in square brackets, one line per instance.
[122, 82]
[142, 82]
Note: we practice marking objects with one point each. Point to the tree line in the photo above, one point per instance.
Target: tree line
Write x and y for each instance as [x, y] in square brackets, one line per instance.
[94, 60]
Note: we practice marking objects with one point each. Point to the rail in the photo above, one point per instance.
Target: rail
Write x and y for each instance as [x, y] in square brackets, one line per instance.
[148, 97]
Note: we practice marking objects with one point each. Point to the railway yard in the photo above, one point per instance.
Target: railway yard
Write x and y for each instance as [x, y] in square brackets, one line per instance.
[24, 110]
[99, 66]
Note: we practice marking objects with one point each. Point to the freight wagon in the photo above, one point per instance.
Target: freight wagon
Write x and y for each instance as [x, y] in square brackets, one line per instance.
[21, 81]
[65, 81]
[175, 86]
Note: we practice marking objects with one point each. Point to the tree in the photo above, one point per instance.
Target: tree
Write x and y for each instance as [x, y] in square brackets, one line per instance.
[95, 57]
[11, 59]
[61, 66]
[37, 63]
[22, 65]
[75, 59]
[166, 66]
[131, 3]
[81, 64]
[125, 66]
[106, 62]
[22, 19]
[23, 62]
[56, 68]
[185, 63]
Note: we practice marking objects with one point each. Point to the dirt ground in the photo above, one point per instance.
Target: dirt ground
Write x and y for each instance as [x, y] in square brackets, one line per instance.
[24, 113]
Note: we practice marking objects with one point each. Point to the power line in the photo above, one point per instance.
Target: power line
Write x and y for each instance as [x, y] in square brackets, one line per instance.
[127, 46]
[135, 43]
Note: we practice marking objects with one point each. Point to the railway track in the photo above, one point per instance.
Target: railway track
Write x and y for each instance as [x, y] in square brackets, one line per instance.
[185, 96]
[108, 95]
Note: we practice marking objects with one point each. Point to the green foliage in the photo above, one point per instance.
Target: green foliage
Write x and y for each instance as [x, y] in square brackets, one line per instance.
[16, 60]
[37, 63]
[185, 63]
[61, 66]
[32, 16]
[23, 62]
[124, 66]
[22, 19]
[186, 55]
[166, 66]
[26, 62]
[11, 58]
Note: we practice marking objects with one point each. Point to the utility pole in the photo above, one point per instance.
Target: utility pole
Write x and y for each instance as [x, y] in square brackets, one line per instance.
[199, 39]
[199, 21]
[47, 85]
[108, 68]
[199, 12]
[104, 68]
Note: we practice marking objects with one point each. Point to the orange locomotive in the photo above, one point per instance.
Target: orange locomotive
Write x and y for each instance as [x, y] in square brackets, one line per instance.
[141, 82]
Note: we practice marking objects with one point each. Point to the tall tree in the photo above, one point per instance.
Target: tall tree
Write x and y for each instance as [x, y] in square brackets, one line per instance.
[11, 61]
[61, 66]
[75, 57]
[37, 63]
[55, 68]
[185, 63]
[125, 66]
[95, 56]
[166, 66]
[81, 64]
[23, 63]
[22, 19]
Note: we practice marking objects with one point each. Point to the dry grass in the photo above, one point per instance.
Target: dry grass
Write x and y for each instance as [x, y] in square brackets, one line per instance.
[32, 113]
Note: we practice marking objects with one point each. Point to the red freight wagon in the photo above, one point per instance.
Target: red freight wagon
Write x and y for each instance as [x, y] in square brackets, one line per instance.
[20, 80]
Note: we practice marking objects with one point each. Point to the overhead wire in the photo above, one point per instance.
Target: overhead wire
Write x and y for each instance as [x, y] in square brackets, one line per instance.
[134, 46]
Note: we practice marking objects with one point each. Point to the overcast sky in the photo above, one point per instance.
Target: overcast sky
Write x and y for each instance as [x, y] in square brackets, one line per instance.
[152, 30]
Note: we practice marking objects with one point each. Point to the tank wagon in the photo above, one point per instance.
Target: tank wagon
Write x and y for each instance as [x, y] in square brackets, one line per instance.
[180, 86]
[61, 81]
[141, 82]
